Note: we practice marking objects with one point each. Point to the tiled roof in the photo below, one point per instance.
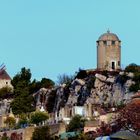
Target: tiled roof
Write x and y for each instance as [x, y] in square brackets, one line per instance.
[4, 75]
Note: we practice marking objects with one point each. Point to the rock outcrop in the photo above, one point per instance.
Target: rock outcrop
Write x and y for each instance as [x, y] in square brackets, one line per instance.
[97, 88]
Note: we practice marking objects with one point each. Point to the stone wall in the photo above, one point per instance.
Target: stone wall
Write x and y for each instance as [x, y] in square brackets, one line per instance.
[19, 134]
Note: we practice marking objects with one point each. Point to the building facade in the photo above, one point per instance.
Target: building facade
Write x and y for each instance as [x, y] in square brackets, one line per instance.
[108, 52]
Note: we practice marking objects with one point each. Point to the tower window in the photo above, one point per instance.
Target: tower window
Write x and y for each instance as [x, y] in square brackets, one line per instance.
[108, 43]
[113, 65]
[113, 42]
[105, 42]
[118, 63]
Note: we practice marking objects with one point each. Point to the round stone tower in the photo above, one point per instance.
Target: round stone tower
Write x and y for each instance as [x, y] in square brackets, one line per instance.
[108, 52]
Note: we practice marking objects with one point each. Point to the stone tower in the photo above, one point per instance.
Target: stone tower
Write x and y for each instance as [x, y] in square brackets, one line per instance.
[108, 52]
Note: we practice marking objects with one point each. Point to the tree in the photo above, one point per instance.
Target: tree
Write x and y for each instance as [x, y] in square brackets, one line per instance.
[129, 117]
[10, 121]
[23, 100]
[23, 120]
[39, 117]
[5, 92]
[51, 101]
[4, 136]
[77, 123]
[132, 68]
[23, 77]
[47, 83]
[41, 133]
[104, 129]
[64, 79]
[23, 103]
[136, 70]
[81, 74]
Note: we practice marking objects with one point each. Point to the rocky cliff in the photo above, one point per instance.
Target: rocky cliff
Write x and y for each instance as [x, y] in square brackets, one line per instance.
[97, 87]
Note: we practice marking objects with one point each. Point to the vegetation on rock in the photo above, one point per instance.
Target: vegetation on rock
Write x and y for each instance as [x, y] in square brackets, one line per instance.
[41, 133]
[76, 123]
[39, 117]
[10, 122]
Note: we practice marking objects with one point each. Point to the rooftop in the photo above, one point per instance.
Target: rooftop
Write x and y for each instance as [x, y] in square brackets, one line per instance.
[4, 75]
[108, 36]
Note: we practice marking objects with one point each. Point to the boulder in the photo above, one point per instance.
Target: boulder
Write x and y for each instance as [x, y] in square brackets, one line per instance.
[111, 79]
[79, 81]
[98, 83]
[129, 83]
[130, 74]
[121, 73]
[100, 77]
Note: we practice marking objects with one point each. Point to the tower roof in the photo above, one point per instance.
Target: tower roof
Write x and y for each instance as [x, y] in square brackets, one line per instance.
[4, 75]
[108, 36]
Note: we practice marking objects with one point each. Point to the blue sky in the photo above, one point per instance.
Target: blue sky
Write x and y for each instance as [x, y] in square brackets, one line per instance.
[53, 37]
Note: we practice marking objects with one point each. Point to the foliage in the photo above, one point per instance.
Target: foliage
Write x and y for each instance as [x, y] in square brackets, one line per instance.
[81, 74]
[10, 121]
[76, 123]
[136, 70]
[64, 79]
[132, 68]
[5, 92]
[38, 117]
[4, 136]
[23, 120]
[51, 101]
[23, 89]
[129, 117]
[81, 136]
[41, 133]
[23, 103]
[34, 86]
[47, 83]
[104, 129]
[134, 87]
[22, 79]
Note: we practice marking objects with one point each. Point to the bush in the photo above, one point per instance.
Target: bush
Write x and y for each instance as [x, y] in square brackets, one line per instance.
[10, 121]
[38, 117]
[81, 74]
[5, 92]
[41, 133]
[77, 123]
[132, 68]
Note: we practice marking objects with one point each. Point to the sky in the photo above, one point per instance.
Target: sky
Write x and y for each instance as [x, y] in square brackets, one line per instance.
[53, 37]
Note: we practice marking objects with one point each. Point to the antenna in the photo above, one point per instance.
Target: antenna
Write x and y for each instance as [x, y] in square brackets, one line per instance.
[108, 31]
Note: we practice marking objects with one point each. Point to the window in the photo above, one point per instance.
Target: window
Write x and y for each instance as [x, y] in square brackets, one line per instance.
[118, 63]
[108, 43]
[113, 65]
[113, 42]
[105, 43]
